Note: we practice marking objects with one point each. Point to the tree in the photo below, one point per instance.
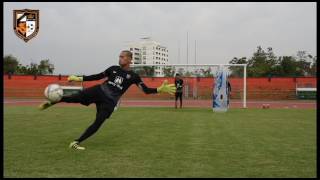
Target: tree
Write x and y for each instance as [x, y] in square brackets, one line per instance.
[22, 69]
[33, 69]
[277, 70]
[148, 71]
[305, 61]
[10, 64]
[262, 63]
[314, 66]
[237, 71]
[272, 63]
[168, 71]
[289, 66]
[206, 72]
[267, 64]
[45, 67]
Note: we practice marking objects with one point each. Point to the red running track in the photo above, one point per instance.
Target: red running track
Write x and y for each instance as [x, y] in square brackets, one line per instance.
[289, 104]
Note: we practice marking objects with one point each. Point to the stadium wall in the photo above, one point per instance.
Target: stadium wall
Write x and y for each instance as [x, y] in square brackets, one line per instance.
[26, 86]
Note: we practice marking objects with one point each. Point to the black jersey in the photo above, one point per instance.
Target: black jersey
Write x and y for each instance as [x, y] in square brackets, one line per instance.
[228, 88]
[119, 80]
[179, 85]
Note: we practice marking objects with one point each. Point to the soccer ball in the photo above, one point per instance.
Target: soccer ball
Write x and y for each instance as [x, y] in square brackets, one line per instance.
[53, 92]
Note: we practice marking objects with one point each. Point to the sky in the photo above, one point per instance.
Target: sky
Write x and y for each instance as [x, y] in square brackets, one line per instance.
[86, 38]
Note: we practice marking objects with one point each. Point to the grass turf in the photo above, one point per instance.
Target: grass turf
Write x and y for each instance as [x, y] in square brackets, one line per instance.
[161, 142]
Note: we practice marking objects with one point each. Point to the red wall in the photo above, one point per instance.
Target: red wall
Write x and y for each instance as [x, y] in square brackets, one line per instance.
[20, 86]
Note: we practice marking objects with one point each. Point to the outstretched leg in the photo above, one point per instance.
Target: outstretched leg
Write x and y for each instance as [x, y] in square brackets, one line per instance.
[75, 98]
[85, 97]
[103, 112]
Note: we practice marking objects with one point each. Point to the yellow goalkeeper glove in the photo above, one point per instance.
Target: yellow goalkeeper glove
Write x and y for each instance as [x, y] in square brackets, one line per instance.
[75, 78]
[167, 88]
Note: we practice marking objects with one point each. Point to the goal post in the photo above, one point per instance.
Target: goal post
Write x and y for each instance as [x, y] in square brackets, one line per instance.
[193, 72]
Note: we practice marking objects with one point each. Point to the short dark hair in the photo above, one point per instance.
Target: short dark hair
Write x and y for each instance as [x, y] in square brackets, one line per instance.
[178, 74]
[128, 53]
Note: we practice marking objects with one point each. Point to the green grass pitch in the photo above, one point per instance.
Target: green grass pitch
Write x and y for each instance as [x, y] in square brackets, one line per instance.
[160, 142]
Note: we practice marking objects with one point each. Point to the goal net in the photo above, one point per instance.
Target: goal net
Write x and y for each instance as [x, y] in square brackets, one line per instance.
[198, 84]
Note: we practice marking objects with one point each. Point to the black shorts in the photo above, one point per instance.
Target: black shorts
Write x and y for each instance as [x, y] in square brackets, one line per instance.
[178, 95]
[95, 94]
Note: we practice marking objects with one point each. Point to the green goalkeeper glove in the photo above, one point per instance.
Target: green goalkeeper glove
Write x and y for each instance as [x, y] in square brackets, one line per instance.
[167, 88]
[75, 78]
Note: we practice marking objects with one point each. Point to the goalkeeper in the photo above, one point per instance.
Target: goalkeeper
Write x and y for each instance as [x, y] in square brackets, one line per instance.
[107, 94]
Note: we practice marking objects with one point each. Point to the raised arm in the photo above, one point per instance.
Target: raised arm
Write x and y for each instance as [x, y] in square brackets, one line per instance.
[93, 77]
[144, 87]
[165, 87]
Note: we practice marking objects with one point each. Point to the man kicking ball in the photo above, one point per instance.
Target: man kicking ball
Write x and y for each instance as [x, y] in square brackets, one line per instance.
[107, 94]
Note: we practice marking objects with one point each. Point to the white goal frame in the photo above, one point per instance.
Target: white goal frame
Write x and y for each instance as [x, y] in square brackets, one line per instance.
[244, 103]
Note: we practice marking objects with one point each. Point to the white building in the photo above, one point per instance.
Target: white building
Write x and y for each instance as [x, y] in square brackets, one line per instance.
[147, 51]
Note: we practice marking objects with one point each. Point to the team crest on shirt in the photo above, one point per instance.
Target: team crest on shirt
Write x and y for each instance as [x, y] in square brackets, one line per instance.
[128, 76]
[26, 23]
[118, 80]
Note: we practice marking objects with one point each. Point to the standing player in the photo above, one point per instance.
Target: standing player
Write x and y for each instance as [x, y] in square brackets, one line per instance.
[107, 94]
[228, 92]
[179, 85]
